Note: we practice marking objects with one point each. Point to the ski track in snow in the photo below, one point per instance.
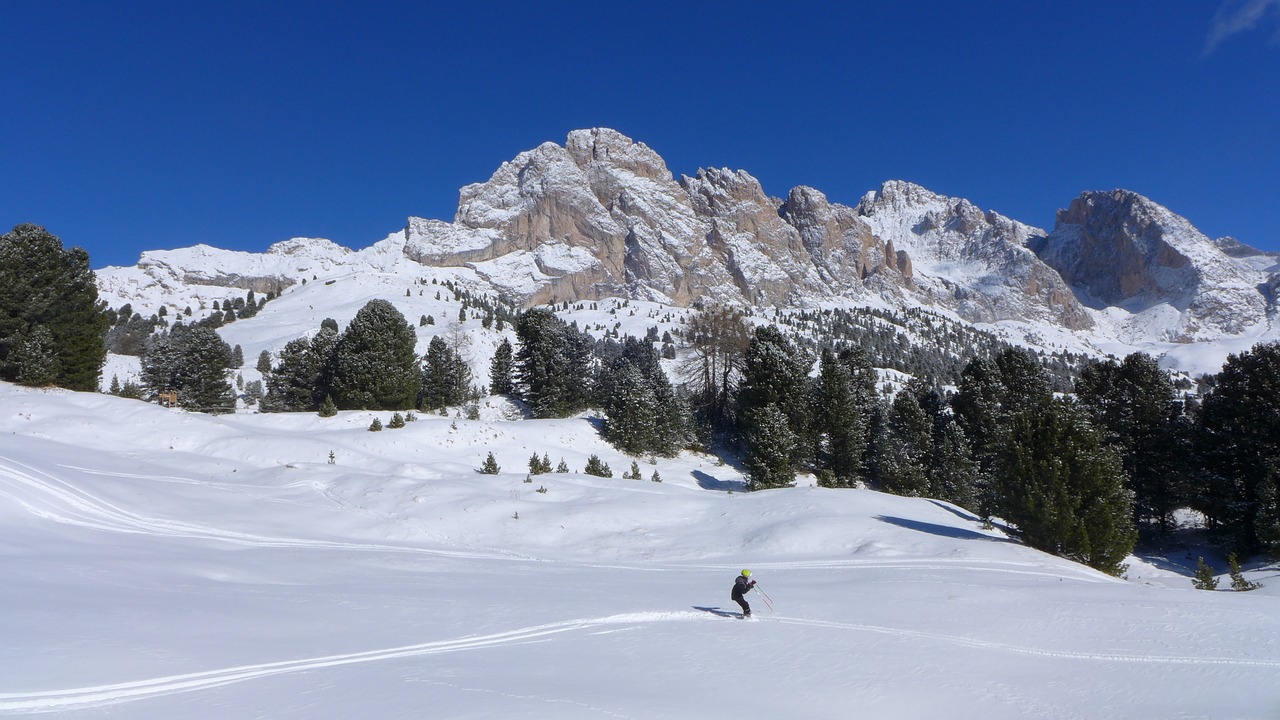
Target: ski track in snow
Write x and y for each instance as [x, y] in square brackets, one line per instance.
[111, 694]
[49, 498]
[100, 695]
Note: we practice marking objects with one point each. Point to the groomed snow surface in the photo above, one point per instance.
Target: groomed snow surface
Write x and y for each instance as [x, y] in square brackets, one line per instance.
[160, 564]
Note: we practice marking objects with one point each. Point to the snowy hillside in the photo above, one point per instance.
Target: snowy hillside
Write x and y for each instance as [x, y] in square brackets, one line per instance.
[160, 564]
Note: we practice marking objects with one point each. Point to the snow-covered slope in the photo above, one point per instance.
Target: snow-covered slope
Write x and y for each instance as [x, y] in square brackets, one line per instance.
[160, 564]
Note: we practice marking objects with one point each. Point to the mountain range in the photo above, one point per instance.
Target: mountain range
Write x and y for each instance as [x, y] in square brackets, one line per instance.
[603, 217]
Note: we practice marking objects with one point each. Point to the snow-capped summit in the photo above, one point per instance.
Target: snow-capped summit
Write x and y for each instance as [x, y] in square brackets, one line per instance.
[1123, 251]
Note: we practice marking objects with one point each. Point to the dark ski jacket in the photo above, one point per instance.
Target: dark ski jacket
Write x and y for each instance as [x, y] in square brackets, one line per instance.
[741, 585]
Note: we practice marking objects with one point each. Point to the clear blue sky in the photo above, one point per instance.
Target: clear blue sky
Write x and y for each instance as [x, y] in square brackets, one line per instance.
[130, 126]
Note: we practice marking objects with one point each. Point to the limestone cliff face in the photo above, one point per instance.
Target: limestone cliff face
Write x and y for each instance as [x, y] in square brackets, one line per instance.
[602, 215]
[1120, 249]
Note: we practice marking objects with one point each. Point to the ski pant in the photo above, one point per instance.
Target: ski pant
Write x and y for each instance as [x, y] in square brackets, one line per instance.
[737, 597]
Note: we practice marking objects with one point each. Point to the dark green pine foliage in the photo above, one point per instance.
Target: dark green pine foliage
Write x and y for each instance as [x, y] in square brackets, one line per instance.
[35, 359]
[770, 447]
[500, 369]
[1134, 402]
[445, 377]
[990, 393]
[328, 408]
[776, 373]
[1239, 434]
[552, 365]
[643, 413]
[291, 384]
[376, 365]
[195, 362]
[905, 444]
[490, 466]
[843, 408]
[953, 472]
[1063, 486]
[44, 285]
[1267, 522]
[597, 467]
[1204, 578]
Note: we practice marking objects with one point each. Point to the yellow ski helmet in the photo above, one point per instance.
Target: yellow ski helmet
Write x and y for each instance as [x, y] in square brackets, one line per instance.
[746, 573]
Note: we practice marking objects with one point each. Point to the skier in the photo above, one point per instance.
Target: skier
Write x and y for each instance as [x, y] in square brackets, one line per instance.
[742, 584]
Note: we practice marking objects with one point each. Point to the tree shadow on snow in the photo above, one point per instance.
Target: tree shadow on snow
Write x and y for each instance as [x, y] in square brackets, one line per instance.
[718, 611]
[942, 530]
[709, 482]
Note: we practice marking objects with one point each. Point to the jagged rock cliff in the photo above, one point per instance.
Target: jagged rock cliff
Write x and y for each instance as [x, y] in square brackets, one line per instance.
[1120, 249]
[603, 216]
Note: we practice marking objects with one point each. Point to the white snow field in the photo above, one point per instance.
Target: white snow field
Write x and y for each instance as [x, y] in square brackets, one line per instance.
[167, 565]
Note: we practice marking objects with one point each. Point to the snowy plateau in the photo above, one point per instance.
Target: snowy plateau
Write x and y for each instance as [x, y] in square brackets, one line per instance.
[174, 565]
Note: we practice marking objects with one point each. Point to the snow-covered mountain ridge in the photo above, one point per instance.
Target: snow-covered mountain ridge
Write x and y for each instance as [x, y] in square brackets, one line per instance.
[602, 216]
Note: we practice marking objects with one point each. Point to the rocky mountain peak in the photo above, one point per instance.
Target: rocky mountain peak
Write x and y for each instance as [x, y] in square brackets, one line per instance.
[1118, 248]
[610, 148]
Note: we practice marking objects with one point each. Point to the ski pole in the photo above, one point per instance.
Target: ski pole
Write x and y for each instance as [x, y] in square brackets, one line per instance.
[768, 601]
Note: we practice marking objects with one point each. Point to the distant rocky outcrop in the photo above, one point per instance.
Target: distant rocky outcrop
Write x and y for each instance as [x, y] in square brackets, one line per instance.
[1120, 249]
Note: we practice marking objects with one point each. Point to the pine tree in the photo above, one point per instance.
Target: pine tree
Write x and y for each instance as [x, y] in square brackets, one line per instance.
[905, 445]
[500, 369]
[770, 446]
[597, 467]
[952, 470]
[1204, 578]
[490, 466]
[444, 377]
[35, 359]
[1135, 404]
[718, 340]
[563, 467]
[375, 426]
[193, 361]
[264, 362]
[328, 408]
[376, 366]
[1063, 486]
[1238, 582]
[842, 421]
[202, 375]
[537, 466]
[631, 411]
[776, 373]
[397, 421]
[1239, 436]
[550, 373]
[291, 385]
[44, 285]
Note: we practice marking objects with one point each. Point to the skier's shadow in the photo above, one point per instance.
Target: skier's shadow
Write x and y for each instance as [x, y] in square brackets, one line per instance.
[718, 611]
